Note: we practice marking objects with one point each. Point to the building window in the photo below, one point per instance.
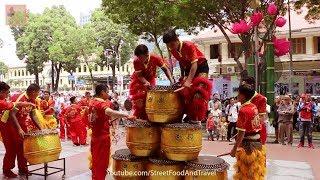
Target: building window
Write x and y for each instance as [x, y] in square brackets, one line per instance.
[214, 51]
[79, 69]
[316, 44]
[127, 68]
[123, 68]
[15, 73]
[299, 45]
[22, 72]
[19, 73]
[84, 68]
[101, 68]
[60, 81]
[234, 50]
[96, 67]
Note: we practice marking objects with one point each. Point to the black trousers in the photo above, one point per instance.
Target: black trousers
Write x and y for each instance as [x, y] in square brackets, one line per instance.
[231, 130]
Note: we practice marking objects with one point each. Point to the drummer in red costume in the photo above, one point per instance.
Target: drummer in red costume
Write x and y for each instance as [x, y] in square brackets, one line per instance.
[248, 149]
[84, 104]
[144, 76]
[101, 116]
[24, 123]
[194, 75]
[8, 131]
[261, 102]
[74, 121]
[47, 107]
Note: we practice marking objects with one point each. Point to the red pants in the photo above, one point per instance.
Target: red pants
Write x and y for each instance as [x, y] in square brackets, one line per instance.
[100, 150]
[263, 133]
[62, 128]
[78, 133]
[13, 144]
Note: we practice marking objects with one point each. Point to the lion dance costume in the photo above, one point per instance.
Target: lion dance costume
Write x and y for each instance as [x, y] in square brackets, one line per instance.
[251, 155]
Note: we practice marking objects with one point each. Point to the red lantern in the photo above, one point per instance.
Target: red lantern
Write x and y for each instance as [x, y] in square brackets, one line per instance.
[272, 9]
[280, 22]
[240, 27]
[281, 46]
[256, 18]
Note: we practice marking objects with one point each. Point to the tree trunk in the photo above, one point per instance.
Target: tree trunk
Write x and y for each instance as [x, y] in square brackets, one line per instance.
[52, 75]
[57, 76]
[36, 74]
[90, 72]
[157, 44]
[114, 79]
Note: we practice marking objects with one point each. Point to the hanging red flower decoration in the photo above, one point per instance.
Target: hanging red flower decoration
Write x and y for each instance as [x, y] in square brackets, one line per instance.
[240, 27]
[272, 9]
[256, 18]
[281, 46]
[281, 21]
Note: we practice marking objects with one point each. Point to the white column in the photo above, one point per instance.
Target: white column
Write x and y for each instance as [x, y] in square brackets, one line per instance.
[224, 51]
[309, 45]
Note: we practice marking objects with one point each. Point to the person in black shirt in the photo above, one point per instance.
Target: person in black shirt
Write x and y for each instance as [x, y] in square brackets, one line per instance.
[275, 123]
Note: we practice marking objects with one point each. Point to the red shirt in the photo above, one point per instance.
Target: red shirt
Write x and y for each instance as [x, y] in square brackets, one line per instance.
[149, 70]
[72, 113]
[261, 102]
[210, 123]
[23, 113]
[248, 118]
[4, 105]
[100, 124]
[45, 105]
[188, 54]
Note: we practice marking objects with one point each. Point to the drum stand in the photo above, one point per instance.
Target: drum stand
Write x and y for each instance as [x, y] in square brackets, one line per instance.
[45, 168]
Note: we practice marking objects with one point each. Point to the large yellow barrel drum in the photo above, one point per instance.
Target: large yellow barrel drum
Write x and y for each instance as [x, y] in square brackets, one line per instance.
[207, 168]
[126, 166]
[142, 138]
[163, 169]
[163, 105]
[42, 146]
[181, 141]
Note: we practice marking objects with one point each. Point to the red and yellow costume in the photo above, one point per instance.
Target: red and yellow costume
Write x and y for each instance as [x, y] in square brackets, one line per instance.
[76, 126]
[47, 107]
[261, 102]
[9, 138]
[84, 104]
[100, 140]
[138, 91]
[251, 154]
[197, 97]
[13, 142]
[63, 127]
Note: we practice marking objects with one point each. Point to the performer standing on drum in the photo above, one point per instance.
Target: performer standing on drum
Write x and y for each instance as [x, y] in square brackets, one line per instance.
[144, 77]
[25, 122]
[74, 121]
[194, 75]
[248, 150]
[47, 107]
[101, 116]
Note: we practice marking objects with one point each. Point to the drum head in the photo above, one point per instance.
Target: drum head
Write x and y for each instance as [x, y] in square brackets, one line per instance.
[125, 155]
[183, 126]
[42, 132]
[138, 124]
[208, 163]
[165, 88]
[160, 161]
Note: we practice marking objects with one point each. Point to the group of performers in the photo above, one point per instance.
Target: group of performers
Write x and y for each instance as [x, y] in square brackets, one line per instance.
[97, 113]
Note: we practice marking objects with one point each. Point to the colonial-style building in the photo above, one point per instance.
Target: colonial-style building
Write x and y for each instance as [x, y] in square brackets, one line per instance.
[306, 58]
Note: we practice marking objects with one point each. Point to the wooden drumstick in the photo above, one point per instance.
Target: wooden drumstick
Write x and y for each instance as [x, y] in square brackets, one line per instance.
[181, 88]
[224, 154]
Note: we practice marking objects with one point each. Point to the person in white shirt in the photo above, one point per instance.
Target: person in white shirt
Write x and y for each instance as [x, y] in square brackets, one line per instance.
[232, 111]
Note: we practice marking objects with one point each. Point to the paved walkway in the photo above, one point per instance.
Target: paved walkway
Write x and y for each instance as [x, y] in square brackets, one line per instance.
[284, 162]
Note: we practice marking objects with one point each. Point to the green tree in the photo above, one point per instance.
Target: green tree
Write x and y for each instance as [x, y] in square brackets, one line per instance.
[33, 44]
[221, 14]
[115, 39]
[148, 19]
[3, 68]
[313, 8]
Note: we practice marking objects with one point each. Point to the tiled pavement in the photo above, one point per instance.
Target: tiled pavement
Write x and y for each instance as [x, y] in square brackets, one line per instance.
[284, 163]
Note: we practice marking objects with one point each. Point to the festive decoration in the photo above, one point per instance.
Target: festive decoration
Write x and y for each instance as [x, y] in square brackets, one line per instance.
[256, 18]
[272, 9]
[280, 22]
[250, 165]
[240, 27]
[281, 46]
